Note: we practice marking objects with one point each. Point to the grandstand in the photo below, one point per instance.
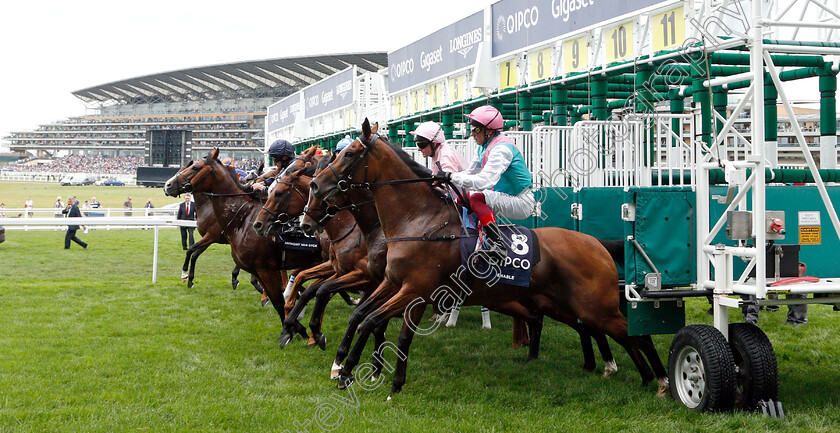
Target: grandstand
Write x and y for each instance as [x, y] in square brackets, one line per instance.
[163, 118]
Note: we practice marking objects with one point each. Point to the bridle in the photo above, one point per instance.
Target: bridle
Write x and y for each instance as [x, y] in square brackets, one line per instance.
[284, 217]
[345, 183]
[330, 211]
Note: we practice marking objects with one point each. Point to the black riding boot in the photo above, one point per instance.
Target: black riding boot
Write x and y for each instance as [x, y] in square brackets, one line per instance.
[495, 245]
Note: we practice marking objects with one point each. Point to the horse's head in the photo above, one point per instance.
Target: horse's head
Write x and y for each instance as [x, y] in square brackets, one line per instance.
[194, 176]
[287, 196]
[317, 212]
[351, 163]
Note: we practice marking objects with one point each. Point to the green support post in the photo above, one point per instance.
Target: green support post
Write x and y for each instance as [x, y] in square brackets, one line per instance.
[525, 118]
[559, 99]
[408, 141]
[644, 84]
[393, 133]
[599, 97]
[448, 124]
[575, 115]
[701, 96]
[771, 124]
[828, 120]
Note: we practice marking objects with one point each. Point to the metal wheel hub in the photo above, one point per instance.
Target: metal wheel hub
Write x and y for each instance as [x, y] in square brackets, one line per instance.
[690, 377]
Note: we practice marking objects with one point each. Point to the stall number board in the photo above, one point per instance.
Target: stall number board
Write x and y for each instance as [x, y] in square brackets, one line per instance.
[668, 29]
[456, 89]
[540, 65]
[508, 74]
[575, 55]
[810, 232]
[436, 95]
[416, 100]
[399, 106]
[619, 42]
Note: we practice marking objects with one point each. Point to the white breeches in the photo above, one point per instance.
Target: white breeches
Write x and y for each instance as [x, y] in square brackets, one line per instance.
[515, 207]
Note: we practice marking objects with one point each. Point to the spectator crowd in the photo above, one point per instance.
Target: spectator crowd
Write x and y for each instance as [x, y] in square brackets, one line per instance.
[96, 164]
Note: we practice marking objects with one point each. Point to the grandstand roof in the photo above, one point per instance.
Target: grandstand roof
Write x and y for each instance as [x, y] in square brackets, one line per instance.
[255, 79]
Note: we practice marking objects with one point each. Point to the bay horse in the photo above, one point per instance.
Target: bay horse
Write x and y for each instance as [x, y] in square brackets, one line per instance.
[349, 252]
[576, 278]
[361, 203]
[286, 199]
[235, 209]
[211, 233]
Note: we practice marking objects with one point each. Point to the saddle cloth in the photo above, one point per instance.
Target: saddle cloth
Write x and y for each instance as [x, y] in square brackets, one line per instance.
[299, 242]
[523, 252]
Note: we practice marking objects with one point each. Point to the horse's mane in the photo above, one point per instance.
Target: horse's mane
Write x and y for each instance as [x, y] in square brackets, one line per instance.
[309, 170]
[324, 162]
[414, 166]
[231, 172]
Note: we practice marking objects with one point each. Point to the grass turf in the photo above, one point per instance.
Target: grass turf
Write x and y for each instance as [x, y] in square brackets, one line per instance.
[89, 344]
[14, 195]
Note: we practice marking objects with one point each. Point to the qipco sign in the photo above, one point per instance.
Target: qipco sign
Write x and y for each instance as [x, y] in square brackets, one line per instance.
[521, 24]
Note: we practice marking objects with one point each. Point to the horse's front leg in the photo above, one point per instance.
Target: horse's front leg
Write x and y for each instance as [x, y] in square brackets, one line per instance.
[392, 308]
[410, 321]
[371, 303]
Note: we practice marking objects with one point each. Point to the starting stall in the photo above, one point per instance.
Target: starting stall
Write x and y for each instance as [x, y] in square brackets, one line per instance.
[654, 124]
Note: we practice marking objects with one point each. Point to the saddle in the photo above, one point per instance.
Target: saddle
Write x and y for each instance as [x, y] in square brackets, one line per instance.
[523, 252]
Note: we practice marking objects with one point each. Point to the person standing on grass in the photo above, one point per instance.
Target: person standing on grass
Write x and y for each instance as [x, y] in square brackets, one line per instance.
[28, 206]
[86, 212]
[186, 211]
[2, 210]
[58, 205]
[127, 206]
[72, 211]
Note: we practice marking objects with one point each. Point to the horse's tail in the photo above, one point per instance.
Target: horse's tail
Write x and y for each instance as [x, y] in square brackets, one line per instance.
[615, 248]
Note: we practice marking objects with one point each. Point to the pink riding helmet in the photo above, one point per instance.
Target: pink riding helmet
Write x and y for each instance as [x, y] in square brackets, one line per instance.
[430, 131]
[488, 116]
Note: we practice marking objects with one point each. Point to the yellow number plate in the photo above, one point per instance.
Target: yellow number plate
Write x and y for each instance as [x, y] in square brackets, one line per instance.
[620, 42]
[540, 64]
[668, 29]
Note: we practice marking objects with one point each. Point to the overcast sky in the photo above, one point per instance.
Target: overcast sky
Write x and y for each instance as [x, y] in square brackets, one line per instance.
[49, 49]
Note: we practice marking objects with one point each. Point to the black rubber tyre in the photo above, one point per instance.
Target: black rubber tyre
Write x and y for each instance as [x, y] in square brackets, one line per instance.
[756, 370]
[701, 369]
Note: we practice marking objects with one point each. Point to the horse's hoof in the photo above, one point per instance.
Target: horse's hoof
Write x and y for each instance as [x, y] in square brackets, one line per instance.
[344, 382]
[610, 368]
[285, 339]
[335, 371]
[184, 276]
[234, 284]
[664, 386]
[374, 377]
[321, 341]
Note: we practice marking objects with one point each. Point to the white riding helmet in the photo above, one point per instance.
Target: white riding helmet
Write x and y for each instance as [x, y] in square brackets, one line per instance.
[430, 131]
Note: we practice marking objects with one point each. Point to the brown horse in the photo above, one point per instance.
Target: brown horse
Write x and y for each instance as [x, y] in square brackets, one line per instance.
[286, 199]
[576, 278]
[318, 213]
[211, 233]
[235, 210]
[348, 250]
